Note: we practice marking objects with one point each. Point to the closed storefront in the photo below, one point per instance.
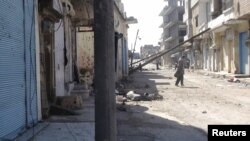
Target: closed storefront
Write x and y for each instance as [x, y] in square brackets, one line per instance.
[18, 102]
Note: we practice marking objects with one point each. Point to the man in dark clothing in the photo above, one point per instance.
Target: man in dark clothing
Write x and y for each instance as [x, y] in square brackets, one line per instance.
[180, 71]
[140, 67]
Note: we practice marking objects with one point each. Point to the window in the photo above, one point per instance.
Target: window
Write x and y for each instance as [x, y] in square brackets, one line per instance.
[227, 4]
[180, 17]
[182, 32]
[180, 3]
[196, 21]
[208, 11]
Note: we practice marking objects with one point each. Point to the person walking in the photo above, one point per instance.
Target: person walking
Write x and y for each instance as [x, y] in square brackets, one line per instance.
[179, 74]
[140, 67]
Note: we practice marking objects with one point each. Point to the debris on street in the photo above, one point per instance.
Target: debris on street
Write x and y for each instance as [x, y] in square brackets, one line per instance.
[233, 79]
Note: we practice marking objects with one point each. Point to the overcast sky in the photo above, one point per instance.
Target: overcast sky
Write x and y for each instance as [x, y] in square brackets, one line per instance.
[147, 12]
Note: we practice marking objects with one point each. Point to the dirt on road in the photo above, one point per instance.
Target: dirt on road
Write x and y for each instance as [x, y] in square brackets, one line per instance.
[184, 112]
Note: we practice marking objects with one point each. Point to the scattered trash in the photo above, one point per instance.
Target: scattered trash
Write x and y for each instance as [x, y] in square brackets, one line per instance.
[134, 97]
[243, 85]
[143, 97]
[116, 92]
[223, 76]
[239, 105]
[204, 112]
[233, 79]
[119, 98]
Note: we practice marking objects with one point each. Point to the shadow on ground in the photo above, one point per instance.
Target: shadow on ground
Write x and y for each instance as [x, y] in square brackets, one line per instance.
[139, 123]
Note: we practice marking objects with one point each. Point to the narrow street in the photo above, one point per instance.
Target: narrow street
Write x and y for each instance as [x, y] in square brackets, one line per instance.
[184, 112]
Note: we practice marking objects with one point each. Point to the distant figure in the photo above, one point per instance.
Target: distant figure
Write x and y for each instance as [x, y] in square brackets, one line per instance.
[157, 65]
[175, 66]
[140, 67]
[180, 71]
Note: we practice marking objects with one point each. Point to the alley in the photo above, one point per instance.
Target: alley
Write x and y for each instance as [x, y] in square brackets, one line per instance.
[184, 112]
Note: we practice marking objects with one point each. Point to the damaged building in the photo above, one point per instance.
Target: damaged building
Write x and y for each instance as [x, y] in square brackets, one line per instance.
[47, 51]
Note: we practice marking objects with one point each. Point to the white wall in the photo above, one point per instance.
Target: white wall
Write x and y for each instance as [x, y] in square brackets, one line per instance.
[193, 3]
[38, 76]
[59, 53]
[85, 53]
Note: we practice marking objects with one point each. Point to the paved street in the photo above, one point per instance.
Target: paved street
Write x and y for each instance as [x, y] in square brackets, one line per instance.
[184, 112]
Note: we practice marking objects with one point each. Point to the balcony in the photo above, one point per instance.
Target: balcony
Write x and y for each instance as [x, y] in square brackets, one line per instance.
[182, 26]
[226, 15]
[169, 39]
[169, 24]
[167, 10]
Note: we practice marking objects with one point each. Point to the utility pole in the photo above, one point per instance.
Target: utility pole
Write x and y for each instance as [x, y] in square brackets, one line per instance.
[104, 45]
[131, 64]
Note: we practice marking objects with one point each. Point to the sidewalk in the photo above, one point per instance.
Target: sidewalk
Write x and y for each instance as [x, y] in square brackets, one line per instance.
[66, 128]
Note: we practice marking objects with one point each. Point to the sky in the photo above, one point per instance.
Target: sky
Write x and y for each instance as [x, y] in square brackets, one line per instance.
[147, 13]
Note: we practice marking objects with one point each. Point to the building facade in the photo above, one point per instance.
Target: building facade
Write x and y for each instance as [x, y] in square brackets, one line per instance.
[44, 44]
[174, 29]
[225, 47]
[148, 50]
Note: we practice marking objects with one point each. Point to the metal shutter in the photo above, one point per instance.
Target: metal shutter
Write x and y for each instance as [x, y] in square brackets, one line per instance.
[30, 62]
[17, 67]
[12, 67]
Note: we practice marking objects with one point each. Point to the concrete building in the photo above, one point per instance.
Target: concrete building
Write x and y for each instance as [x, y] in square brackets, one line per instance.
[43, 46]
[85, 43]
[242, 14]
[174, 29]
[225, 47]
[121, 40]
[148, 50]
[200, 17]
